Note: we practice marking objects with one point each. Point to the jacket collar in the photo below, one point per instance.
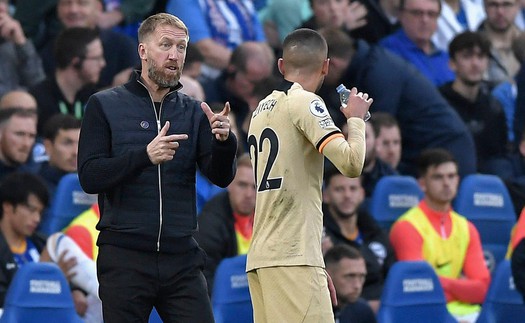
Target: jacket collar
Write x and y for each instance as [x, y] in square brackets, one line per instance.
[137, 85]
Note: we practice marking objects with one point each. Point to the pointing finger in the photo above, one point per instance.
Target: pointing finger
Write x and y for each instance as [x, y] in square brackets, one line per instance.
[175, 137]
[207, 110]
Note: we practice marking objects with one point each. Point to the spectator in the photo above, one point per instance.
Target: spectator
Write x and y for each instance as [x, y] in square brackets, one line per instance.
[218, 27]
[251, 64]
[344, 14]
[119, 50]
[368, 20]
[79, 56]
[388, 140]
[483, 115]
[20, 65]
[17, 137]
[24, 100]
[413, 41]
[399, 89]
[226, 221]
[60, 135]
[432, 231]
[124, 15]
[281, 17]
[23, 196]
[456, 17]
[18, 98]
[347, 223]
[374, 168]
[501, 30]
[348, 270]
[193, 62]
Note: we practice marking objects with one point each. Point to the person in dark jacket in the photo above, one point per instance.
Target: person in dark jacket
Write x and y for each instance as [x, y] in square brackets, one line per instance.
[140, 144]
[346, 223]
[471, 98]
[425, 118]
[23, 197]
[226, 221]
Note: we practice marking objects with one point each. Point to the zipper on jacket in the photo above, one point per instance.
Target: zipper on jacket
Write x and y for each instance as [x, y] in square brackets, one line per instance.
[157, 117]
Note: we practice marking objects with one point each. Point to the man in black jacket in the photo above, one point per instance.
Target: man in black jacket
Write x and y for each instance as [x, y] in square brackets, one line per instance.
[226, 221]
[139, 147]
[346, 223]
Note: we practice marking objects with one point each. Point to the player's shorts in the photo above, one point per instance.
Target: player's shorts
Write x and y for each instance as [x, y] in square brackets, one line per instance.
[290, 294]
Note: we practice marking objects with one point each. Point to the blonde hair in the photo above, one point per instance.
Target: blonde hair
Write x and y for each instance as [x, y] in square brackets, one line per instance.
[148, 26]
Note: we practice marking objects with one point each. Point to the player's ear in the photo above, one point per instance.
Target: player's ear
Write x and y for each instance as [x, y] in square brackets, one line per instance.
[326, 65]
[280, 65]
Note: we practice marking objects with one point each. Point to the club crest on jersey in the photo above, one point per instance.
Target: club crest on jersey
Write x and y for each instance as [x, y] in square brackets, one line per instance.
[318, 109]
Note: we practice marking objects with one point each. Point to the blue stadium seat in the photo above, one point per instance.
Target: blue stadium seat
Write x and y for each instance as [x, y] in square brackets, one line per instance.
[393, 196]
[413, 294]
[39, 293]
[230, 298]
[69, 201]
[503, 302]
[485, 201]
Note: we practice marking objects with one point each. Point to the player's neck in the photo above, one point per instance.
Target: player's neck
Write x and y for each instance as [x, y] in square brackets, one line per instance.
[307, 81]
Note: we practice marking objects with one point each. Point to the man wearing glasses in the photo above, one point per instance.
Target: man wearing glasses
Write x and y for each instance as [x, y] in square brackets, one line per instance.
[413, 42]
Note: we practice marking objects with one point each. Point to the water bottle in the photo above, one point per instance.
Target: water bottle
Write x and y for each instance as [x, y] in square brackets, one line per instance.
[344, 94]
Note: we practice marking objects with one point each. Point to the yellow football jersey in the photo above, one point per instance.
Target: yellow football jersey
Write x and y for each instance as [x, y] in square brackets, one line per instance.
[288, 131]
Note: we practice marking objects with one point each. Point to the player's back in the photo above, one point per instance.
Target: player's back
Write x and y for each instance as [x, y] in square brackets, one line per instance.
[285, 131]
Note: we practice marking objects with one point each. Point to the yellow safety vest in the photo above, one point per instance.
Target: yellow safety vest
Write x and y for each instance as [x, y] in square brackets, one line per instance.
[446, 256]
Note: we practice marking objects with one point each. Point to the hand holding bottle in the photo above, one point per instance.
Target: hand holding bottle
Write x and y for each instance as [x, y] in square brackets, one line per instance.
[359, 103]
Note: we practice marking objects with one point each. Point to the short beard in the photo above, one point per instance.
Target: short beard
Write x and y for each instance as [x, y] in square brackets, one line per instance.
[342, 215]
[161, 80]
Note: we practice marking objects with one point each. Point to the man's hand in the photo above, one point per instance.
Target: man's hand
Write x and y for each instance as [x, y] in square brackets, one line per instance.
[219, 122]
[162, 148]
[355, 15]
[67, 265]
[10, 28]
[358, 104]
[80, 300]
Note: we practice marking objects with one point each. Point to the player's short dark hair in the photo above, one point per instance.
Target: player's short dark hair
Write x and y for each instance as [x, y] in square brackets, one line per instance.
[16, 187]
[308, 47]
[468, 41]
[71, 43]
[341, 251]
[431, 158]
[59, 122]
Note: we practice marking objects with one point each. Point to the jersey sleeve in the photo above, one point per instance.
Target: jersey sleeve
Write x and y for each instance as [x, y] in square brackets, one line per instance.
[310, 115]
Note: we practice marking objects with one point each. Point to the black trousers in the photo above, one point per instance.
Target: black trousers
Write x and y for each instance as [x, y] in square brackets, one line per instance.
[132, 282]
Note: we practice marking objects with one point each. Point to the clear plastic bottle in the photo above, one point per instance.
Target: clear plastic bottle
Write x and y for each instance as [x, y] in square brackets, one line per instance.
[344, 94]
